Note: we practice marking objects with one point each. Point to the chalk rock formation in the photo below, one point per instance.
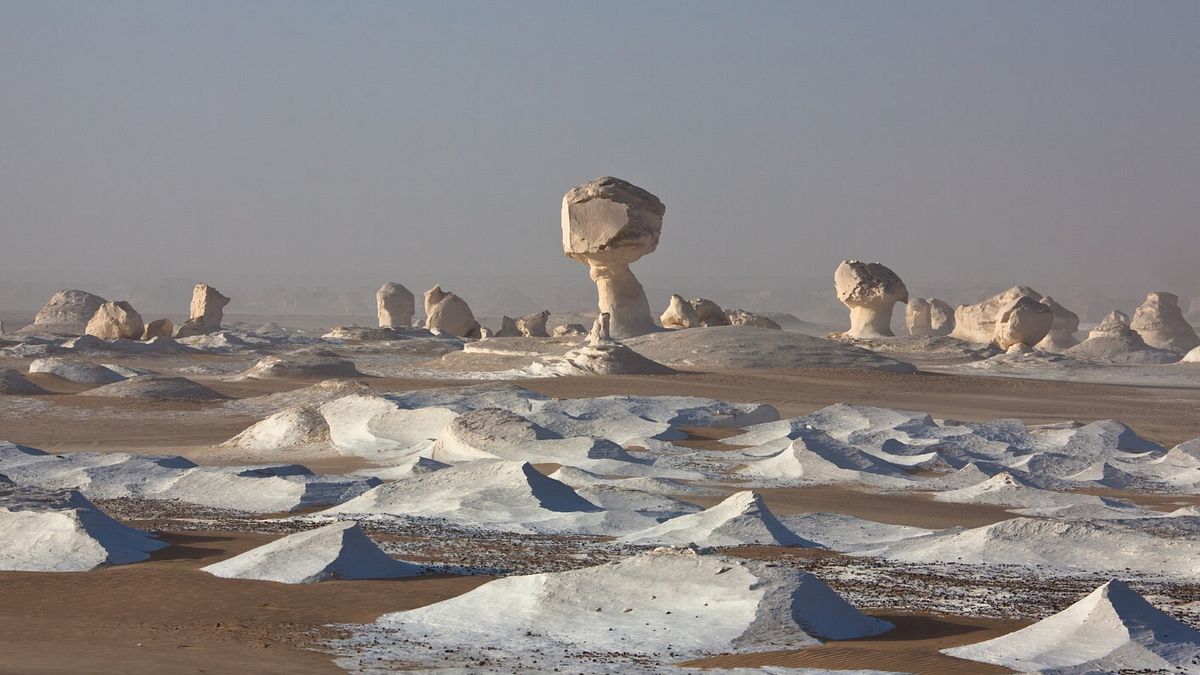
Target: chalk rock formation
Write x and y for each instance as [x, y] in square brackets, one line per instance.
[206, 312]
[740, 317]
[679, 314]
[977, 323]
[869, 290]
[1062, 332]
[608, 224]
[394, 305]
[1114, 342]
[533, 325]
[13, 383]
[116, 320]
[925, 317]
[599, 355]
[570, 329]
[449, 314]
[508, 328]
[67, 313]
[1161, 324]
[158, 328]
[1024, 321]
[710, 313]
[1192, 356]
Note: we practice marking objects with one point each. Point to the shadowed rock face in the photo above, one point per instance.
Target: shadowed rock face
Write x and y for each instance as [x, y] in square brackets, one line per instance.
[394, 305]
[449, 314]
[158, 328]
[1024, 321]
[925, 317]
[1161, 324]
[608, 224]
[207, 311]
[709, 312]
[869, 290]
[533, 325]
[679, 314]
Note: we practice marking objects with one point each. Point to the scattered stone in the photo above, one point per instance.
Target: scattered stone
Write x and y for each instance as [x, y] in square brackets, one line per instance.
[1161, 324]
[869, 290]
[159, 328]
[395, 305]
[679, 314]
[925, 317]
[82, 372]
[206, 312]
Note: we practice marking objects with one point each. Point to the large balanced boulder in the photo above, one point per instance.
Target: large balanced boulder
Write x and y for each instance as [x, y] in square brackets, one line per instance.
[1024, 321]
[116, 321]
[1062, 333]
[395, 305]
[679, 314]
[927, 317]
[448, 314]
[977, 323]
[709, 312]
[1161, 324]
[608, 224]
[67, 313]
[206, 312]
[869, 290]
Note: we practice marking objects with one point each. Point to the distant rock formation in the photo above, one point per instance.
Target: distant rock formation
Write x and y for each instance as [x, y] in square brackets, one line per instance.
[67, 313]
[925, 317]
[206, 312]
[1024, 321]
[869, 290]
[740, 317]
[449, 314]
[533, 325]
[1062, 332]
[570, 329]
[1161, 324]
[709, 312]
[508, 328]
[1114, 342]
[394, 305]
[116, 321]
[679, 314]
[599, 355]
[158, 328]
[977, 323]
[608, 224]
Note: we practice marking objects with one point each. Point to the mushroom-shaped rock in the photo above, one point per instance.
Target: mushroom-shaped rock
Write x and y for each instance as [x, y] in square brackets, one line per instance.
[869, 290]
[1024, 321]
[394, 305]
[67, 313]
[977, 323]
[608, 224]
[449, 314]
[679, 314]
[533, 325]
[206, 312]
[116, 320]
[709, 312]
[158, 328]
[925, 317]
[1161, 324]
[1062, 332]
[570, 329]
[740, 317]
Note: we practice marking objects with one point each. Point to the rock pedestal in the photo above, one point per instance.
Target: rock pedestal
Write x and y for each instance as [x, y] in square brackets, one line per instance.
[679, 314]
[868, 290]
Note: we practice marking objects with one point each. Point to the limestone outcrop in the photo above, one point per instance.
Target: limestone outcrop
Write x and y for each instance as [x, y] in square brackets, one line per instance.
[158, 328]
[570, 330]
[977, 323]
[206, 312]
[608, 224]
[116, 321]
[67, 313]
[599, 355]
[1024, 321]
[1062, 333]
[449, 314]
[709, 312]
[508, 328]
[868, 290]
[394, 305]
[679, 314]
[740, 317]
[926, 317]
[1113, 342]
[533, 325]
[1161, 324]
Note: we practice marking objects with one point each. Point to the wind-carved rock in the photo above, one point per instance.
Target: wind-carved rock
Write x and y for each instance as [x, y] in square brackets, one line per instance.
[67, 313]
[608, 224]
[206, 312]
[869, 290]
[710, 313]
[449, 314]
[158, 328]
[926, 317]
[394, 305]
[570, 330]
[599, 355]
[740, 317]
[533, 325]
[679, 314]
[977, 323]
[116, 320]
[1025, 321]
[1062, 333]
[1160, 322]
[508, 328]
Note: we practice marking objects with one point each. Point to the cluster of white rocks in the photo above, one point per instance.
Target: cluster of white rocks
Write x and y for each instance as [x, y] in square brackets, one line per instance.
[76, 313]
[702, 312]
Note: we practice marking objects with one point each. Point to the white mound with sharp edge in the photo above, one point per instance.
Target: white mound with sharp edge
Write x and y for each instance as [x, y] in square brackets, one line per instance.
[336, 551]
[1111, 630]
[61, 531]
[817, 457]
[296, 428]
[83, 372]
[740, 519]
[1006, 489]
[651, 604]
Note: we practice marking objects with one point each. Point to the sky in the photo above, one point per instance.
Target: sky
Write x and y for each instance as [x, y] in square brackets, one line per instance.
[1052, 144]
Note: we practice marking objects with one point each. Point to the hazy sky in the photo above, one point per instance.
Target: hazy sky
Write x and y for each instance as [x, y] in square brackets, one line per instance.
[992, 142]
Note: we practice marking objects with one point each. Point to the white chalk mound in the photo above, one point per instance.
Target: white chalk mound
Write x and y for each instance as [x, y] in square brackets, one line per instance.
[82, 372]
[1111, 630]
[599, 355]
[1160, 322]
[817, 457]
[740, 519]
[1024, 321]
[160, 387]
[67, 313]
[650, 604]
[336, 551]
[61, 531]
[293, 428]
[394, 305]
[868, 290]
[1113, 342]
